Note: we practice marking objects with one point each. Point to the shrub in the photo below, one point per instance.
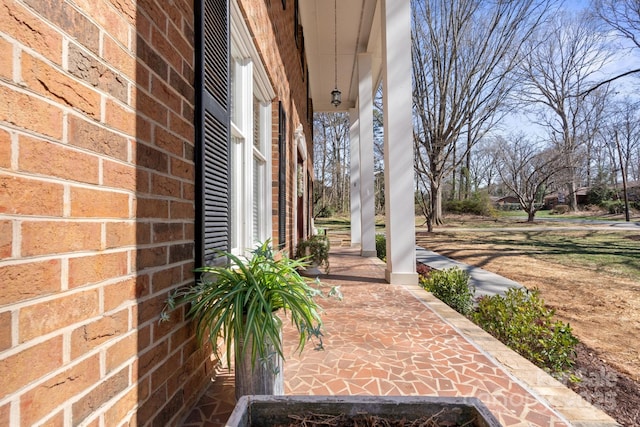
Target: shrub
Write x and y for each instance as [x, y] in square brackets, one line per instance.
[560, 209]
[521, 321]
[613, 206]
[451, 286]
[381, 246]
[598, 194]
[478, 204]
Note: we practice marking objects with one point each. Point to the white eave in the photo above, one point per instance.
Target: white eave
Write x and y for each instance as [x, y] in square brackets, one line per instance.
[358, 31]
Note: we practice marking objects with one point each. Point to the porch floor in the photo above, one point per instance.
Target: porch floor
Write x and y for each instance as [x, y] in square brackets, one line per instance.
[387, 339]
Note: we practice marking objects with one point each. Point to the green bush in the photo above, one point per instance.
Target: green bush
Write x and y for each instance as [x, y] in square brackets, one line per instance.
[381, 246]
[521, 321]
[598, 194]
[478, 204]
[451, 286]
[613, 206]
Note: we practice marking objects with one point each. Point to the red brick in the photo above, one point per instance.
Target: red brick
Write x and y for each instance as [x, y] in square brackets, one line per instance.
[182, 169]
[151, 108]
[120, 117]
[181, 252]
[181, 126]
[22, 282]
[119, 293]
[41, 400]
[143, 130]
[121, 351]
[64, 16]
[151, 208]
[167, 232]
[188, 191]
[47, 158]
[151, 158]
[90, 203]
[151, 257]
[19, 109]
[5, 149]
[180, 336]
[6, 239]
[29, 365]
[161, 44]
[143, 181]
[143, 233]
[44, 317]
[118, 412]
[55, 237]
[180, 210]
[96, 268]
[150, 359]
[105, 391]
[24, 26]
[5, 414]
[103, 13]
[168, 141]
[118, 57]
[87, 337]
[30, 197]
[6, 60]
[5, 331]
[83, 133]
[118, 175]
[92, 71]
[165, 370]
[165, 94]
[127, 8]
[182, 45]
[166, 278]
[165, 186]
[121, 234]
[52, 84]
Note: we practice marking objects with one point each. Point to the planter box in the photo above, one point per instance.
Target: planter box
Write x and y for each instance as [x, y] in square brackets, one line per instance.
[262, 411]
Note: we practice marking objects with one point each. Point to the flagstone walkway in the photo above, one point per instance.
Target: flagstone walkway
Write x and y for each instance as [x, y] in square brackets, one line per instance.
[391, 340]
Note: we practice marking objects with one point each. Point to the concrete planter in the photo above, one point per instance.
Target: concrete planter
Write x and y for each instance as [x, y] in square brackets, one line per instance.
[262, 411]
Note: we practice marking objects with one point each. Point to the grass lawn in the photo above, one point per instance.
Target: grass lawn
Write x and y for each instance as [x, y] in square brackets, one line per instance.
[616, 253]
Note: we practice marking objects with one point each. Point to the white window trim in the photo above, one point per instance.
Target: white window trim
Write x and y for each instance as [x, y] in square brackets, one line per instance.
[251, 79]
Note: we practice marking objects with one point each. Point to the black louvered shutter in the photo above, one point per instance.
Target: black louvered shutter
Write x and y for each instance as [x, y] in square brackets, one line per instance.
[282, 176]
[213, 174]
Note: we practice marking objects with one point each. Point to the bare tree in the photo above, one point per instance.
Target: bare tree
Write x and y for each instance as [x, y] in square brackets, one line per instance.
[564, 59]
[624, 133]
[330, 159]
[464, 52]
[623, 16]
[527, 170]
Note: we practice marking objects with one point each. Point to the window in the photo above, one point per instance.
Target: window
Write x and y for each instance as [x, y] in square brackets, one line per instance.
[251, 97]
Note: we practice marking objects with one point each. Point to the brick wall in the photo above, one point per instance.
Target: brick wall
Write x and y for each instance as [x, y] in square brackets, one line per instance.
[96, 211]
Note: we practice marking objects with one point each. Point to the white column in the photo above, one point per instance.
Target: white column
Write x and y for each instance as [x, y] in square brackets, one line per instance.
[398, 142]
[367, 196]
[354, 138]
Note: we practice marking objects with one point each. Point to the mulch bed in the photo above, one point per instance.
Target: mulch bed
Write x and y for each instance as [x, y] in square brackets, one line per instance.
[605, 387]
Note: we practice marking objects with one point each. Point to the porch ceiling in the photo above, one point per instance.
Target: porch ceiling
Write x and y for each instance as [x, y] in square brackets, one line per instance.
[358, 31]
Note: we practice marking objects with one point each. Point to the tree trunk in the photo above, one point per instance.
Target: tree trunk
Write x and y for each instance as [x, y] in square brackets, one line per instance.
[436, 203]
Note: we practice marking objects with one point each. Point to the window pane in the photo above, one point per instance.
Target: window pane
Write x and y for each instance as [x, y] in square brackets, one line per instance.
[257, 131]
[236, 185]
[258, 197]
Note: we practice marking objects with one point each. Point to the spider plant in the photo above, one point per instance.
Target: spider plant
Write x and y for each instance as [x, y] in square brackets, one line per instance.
[240, 303]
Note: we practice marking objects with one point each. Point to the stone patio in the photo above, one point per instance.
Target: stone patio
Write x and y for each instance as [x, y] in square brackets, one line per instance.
[393, 340]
